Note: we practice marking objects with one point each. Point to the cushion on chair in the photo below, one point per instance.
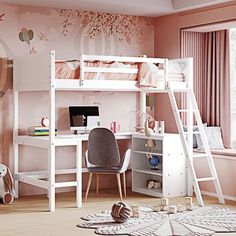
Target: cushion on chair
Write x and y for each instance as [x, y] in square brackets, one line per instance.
[102, 148]
[101, 169]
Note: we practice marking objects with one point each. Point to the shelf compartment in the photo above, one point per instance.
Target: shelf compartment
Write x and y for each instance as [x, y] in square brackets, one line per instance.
[139, 145]
[149, 171]
[140, 183]
[141, 162]
[145, 152]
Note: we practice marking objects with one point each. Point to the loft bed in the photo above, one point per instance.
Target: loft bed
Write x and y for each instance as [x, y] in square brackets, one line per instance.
[42, 72]
[101, 73]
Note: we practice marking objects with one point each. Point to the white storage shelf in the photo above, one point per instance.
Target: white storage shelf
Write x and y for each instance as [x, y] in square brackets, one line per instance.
[171, 169]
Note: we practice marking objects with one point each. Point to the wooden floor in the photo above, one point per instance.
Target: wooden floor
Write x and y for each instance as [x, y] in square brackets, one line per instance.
[30, 216]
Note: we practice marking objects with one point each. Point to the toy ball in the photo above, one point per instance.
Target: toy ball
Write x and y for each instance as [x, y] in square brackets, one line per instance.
[154, 161]
[120, 212]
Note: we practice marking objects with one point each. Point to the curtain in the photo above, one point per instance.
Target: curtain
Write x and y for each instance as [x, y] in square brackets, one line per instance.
[192, 45]
[210, 52]
[216, 85]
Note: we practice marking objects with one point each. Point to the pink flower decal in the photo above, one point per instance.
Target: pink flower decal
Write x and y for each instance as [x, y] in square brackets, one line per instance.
[1, 17]
[129, 29]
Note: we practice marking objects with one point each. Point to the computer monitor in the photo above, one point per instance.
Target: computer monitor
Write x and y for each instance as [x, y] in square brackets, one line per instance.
[84, 118]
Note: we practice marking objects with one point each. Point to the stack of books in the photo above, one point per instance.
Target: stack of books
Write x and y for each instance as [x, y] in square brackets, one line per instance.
[39, 131]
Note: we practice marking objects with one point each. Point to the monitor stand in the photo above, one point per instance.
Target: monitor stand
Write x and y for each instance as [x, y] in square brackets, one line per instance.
[78, 132]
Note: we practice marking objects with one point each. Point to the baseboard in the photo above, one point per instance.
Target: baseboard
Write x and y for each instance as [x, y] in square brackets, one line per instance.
[215, 195]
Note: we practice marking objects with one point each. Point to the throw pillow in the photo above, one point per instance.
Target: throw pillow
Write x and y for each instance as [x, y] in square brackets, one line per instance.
[214, 138]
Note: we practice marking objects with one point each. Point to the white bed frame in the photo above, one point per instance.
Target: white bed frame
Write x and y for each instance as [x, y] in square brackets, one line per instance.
[37, 73]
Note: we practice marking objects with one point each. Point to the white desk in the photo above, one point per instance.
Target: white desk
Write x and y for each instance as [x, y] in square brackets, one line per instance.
[36, 177]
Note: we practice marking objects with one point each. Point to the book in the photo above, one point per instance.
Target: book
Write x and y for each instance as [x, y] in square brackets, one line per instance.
[39, 131]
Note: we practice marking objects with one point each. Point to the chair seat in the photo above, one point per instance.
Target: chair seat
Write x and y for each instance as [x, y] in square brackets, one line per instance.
[104, 169]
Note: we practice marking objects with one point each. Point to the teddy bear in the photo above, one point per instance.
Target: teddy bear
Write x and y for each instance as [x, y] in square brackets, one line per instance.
[6, 185]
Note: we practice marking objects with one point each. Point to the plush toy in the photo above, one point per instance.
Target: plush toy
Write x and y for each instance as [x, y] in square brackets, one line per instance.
[6, 185]
[149, 127]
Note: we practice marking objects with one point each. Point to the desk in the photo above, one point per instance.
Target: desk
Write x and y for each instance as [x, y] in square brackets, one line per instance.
[37, 178]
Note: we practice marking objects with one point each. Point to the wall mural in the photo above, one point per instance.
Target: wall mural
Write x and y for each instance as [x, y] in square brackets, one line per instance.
[27, 30]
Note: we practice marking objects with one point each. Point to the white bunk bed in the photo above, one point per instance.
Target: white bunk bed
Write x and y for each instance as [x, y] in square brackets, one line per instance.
[37, 73]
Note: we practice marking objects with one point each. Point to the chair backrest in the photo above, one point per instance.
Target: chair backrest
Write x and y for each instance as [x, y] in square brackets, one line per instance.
[102, 148]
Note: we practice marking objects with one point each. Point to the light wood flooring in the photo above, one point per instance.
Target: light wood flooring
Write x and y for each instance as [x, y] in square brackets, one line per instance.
[29, 215]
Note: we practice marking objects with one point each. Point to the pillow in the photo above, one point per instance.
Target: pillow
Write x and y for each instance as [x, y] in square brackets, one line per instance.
[195, 128]
[214, 138]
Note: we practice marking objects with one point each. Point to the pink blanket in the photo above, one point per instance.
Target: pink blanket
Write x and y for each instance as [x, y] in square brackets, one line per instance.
[147, 72]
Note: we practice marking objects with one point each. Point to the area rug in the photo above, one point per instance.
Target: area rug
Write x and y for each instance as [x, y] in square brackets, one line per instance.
[202, 221]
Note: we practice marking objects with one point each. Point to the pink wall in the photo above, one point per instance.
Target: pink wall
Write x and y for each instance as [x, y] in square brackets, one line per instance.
[27, 30]
[167, 44]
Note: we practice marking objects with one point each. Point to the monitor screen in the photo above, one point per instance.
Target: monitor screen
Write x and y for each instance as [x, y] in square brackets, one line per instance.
[84, 117]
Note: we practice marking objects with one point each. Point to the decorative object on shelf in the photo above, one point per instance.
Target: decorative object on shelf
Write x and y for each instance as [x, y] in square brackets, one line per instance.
[172, 209]
[162, 127]
[115, 127]
[152, 127]
[150, 184]
[154, 160]
[45, 122]
[151, 144]
[135, 210]
[153, 184]
[157, 185]
[149, 127]
[6, 185]
[120, 212]
[201, 221]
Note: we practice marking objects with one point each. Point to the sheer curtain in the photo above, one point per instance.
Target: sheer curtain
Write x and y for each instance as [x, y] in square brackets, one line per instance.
[211, 77]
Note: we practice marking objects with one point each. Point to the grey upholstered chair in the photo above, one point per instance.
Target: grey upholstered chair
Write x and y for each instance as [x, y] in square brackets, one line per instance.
[103, 157]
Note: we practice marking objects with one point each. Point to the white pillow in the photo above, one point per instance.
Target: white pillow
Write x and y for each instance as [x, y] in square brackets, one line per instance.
[214, 138]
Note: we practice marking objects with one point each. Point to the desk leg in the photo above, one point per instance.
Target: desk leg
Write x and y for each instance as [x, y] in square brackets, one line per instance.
[51, 168]
[79, 174]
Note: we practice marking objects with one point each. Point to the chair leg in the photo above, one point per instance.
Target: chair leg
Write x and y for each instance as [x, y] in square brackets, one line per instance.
[88, 186]
[97, 183]
[119, 186]
[124, 184]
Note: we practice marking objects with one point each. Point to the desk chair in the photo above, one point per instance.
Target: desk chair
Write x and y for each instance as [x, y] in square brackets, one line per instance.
[103, 157]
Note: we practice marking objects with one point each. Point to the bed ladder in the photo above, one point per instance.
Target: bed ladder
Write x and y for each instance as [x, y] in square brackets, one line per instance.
[188, 150]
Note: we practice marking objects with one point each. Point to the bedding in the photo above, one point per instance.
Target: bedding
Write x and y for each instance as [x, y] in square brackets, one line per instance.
[148, 73]
[71, 70]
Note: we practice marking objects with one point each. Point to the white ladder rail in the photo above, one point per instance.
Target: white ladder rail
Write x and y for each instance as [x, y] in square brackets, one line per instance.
[185, 146]
[207, 149]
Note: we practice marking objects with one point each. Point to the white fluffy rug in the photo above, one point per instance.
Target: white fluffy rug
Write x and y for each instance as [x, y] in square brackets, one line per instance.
[202, 221]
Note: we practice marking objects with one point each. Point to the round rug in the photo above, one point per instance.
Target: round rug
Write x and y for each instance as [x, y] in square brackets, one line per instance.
[202, 221]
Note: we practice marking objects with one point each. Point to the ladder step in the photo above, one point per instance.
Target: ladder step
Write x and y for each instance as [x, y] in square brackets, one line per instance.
[186, 110]
[199, 155]
[206, 179]
[192, 132]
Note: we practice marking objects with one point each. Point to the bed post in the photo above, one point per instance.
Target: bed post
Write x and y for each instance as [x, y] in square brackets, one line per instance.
[15, 135]
[81, 70]
[166, 73]
[51, 150]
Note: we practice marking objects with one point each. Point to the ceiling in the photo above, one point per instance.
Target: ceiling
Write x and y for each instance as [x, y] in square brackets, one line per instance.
[131, 7]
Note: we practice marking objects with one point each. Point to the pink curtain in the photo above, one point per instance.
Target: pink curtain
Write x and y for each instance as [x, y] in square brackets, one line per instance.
[216, 86]
[210, 52]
